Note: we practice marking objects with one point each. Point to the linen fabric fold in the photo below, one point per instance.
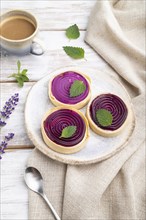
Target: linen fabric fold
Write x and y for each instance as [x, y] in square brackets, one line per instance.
[114, 188]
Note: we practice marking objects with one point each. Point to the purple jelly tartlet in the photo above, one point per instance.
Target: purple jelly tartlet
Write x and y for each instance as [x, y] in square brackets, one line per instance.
[116, 109]
[70, 88]
[61, 118]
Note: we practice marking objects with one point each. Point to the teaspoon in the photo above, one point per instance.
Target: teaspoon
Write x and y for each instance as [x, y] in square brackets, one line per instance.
[34, 181]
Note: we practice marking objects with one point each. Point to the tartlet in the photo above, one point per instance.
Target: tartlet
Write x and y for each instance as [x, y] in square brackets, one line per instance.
[58, 118]
[59, 89]
[116, 106]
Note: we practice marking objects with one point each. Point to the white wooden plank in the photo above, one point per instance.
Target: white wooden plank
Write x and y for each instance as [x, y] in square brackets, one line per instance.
[54, 57]
[60, 14]
[14, 194]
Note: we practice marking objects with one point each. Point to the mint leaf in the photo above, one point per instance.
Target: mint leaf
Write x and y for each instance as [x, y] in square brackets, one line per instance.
[74, 52]
[77, 88]
[104, 117]
[20, 82]
[68, 131]
[24, 72]
[72, 32]
[13, 75]
[24, 78]
[20, 76]
[19, 66]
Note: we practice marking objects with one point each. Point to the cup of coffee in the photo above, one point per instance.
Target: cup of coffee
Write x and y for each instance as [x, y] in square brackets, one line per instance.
[18, 30]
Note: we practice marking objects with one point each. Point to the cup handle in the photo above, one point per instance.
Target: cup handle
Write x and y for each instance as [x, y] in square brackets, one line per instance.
[37, 47]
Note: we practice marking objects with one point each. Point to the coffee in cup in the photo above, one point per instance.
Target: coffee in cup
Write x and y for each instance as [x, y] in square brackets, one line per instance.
[17, 28]
[18, 31]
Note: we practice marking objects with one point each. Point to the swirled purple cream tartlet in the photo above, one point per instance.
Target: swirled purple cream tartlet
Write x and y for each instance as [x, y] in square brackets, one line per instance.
[64, 130]
[70, 88]
[107, 115]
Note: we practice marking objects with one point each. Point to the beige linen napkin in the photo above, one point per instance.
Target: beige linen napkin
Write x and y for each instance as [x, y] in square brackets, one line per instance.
[113, 189]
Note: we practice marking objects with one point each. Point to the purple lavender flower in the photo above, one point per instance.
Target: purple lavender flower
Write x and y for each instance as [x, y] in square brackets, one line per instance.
[4, 144]
[8, 108]
[9, 136]
[2, 123]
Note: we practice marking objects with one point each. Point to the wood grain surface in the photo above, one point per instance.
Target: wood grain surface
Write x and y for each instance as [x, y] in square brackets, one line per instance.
[53, 17]
[53, 58]
[14, 195]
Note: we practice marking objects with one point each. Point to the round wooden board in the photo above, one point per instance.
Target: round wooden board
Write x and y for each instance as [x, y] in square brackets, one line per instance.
[97, 148]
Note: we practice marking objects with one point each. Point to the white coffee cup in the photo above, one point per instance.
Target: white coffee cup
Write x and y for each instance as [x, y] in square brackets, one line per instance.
[21, 46]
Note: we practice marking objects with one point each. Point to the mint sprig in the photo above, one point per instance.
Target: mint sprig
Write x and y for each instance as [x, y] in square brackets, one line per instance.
[74, 52]
[77, 88]
[72, 32]
[68, 131]
[104, 117]
[20, 76]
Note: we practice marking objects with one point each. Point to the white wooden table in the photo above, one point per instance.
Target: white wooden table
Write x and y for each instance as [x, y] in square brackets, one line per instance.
[54, 17]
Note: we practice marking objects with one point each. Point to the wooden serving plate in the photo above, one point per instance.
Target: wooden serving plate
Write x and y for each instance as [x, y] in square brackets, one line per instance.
[97, 148]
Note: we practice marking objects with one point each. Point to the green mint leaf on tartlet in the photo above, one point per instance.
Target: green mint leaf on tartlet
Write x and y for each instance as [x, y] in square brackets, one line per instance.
[104, 117]
[72, 32]
[77, 88]
[74, 52]
[20, 76]
[68, 131]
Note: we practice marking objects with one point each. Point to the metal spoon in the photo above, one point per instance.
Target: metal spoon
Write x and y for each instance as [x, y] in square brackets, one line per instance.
[34, 181]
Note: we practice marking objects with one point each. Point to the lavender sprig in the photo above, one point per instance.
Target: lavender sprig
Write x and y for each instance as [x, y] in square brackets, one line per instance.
[8, 109]
[4, 143]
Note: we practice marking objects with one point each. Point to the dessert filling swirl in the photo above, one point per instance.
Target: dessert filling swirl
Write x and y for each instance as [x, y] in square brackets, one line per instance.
[61, 86]
[114, 105]
[58, 120]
